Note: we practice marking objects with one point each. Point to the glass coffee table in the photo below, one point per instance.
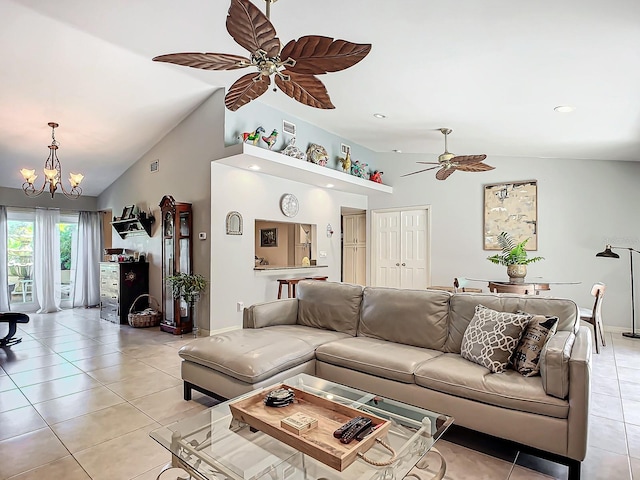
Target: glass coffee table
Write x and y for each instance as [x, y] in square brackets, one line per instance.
[213, 445]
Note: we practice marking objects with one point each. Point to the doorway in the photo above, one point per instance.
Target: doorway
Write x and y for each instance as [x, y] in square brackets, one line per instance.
[354, 246]
[400, 247]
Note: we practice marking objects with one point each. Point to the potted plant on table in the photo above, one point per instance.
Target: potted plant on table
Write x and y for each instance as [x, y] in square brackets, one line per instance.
[514, 256]
[188, 287]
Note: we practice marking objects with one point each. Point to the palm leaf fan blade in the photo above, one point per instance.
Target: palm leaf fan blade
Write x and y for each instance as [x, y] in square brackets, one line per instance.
[467, 159]
[445, 172]
[419, 171]
[316, 54]
[251, 29]
[306, 89]
[246, 88]
[205, 61]
[475, 167]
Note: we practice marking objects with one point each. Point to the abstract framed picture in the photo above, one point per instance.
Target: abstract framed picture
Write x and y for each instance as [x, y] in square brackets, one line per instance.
[511, 207]
[268, 237]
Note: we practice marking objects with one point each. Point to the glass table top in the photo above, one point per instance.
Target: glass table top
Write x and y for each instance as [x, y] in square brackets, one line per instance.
[216, 446]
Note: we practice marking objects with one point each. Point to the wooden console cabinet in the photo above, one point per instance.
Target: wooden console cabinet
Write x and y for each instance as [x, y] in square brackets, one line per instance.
[120, 285]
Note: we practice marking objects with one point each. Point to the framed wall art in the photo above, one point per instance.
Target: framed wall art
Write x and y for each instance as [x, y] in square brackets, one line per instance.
[511, 207]
[268, 237]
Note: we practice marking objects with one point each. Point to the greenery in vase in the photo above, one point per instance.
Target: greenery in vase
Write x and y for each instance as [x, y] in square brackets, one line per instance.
[187, 286]
[512, 253]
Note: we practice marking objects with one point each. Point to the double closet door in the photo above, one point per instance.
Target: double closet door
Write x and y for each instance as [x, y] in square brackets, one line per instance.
[400, 248]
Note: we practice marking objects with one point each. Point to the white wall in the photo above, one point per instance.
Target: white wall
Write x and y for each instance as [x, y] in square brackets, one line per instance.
[582, 205]
[257, 196]
[185, 154]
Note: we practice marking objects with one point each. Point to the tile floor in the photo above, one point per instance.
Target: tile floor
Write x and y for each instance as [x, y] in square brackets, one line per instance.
[79, 396]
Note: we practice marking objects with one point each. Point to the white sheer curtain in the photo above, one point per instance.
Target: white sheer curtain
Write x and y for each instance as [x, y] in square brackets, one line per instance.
[4, 265]
[87, 260]
[46, 263]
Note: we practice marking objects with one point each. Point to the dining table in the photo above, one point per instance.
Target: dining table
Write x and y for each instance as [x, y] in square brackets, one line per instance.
[529, 285]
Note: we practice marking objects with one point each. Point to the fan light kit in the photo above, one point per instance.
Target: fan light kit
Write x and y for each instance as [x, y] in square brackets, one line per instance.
[448, 162]
[295, 65]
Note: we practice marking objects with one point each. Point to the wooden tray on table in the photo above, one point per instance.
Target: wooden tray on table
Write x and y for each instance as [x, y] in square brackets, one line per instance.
[317, 442]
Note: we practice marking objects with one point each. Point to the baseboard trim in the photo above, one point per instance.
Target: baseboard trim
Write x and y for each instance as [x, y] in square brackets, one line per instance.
[221, 330]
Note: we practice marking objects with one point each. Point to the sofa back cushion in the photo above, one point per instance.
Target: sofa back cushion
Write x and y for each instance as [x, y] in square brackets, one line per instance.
[462, 308]
[329, 305]
[410, 317]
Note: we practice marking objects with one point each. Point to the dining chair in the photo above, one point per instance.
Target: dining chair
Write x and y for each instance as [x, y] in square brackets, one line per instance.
[12, 318]
[458, 288]
[594, 315]
[505, 288]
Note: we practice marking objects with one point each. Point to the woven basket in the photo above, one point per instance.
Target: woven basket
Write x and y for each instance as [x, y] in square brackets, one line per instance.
[150, 317]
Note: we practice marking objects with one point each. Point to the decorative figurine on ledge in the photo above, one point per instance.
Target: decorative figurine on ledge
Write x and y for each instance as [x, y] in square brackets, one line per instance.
[346, 162]
[271, 139]
[376, 176]
[292, 151]
[359, 169]
[252, 136]
[317, 154]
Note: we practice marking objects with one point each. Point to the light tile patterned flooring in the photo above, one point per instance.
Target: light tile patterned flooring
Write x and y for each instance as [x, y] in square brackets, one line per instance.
[79, 396]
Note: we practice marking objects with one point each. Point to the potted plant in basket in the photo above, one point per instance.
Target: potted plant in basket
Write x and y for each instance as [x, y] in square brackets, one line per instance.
[188, 287]
[514, 256]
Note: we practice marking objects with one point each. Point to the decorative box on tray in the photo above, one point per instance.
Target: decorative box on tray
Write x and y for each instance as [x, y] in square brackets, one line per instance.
[314, 440]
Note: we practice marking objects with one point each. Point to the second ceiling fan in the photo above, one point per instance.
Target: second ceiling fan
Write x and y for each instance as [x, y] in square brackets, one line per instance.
[448, 162]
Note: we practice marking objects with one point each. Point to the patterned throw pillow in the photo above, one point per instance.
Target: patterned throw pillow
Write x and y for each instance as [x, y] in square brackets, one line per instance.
[526, 358]
[492, 337]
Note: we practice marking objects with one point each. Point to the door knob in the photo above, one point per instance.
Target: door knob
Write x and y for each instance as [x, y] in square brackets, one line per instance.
[404, 264]
[397, 264]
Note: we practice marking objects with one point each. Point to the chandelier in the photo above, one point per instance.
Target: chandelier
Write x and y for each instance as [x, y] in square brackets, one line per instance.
[52, 174]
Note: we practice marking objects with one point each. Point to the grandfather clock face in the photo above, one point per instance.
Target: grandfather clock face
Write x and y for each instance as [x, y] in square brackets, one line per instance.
[168, 224]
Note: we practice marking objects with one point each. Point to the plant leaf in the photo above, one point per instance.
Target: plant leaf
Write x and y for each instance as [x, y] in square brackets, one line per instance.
[306, 89]
[246, 88]
[251, 29]
[315, 54]
[205, 61]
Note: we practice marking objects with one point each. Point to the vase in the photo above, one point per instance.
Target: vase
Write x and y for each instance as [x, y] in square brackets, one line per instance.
[516, 273]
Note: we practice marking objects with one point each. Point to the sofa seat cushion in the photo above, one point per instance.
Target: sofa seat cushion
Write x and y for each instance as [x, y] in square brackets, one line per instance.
[452, 374]
[253, 355]
[377, 357]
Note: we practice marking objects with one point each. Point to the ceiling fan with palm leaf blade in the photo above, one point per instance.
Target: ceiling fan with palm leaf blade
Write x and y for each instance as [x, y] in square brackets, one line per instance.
[295, 65]
[449, 162]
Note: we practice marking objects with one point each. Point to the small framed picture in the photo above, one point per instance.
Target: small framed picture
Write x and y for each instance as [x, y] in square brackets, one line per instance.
[268, 237]
[127, 212]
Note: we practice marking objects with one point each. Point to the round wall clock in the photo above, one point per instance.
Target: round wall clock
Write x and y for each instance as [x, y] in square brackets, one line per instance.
[289, 205]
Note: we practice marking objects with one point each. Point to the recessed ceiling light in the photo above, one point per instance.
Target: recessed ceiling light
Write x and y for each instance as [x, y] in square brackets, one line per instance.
[564, 108]
[379, 115]
[254, 167]
[397, 150]
[329, 185]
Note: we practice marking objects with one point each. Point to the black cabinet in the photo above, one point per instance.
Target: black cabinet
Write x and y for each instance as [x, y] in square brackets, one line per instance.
[120, 284]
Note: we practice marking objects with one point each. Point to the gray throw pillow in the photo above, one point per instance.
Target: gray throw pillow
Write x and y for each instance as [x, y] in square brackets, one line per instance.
[492, 337]
[526, 358]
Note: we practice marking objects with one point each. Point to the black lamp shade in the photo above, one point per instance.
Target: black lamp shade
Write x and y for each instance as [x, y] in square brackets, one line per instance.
[608, 253]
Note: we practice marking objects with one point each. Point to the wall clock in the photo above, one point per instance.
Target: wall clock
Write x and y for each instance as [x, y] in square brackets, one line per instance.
[289, 205]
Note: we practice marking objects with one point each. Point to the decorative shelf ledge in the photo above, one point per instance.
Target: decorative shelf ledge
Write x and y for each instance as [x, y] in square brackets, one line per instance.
[244, 155]
[133, 226]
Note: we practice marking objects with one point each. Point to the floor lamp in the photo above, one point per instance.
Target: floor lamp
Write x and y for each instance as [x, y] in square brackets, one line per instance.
[609, 254]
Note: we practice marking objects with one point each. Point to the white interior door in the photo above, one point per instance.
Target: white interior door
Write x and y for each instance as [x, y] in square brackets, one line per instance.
[386, 249]
[400, 248]
[413, 265]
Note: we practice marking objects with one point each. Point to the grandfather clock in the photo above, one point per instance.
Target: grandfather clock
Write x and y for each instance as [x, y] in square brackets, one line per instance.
[177, 257]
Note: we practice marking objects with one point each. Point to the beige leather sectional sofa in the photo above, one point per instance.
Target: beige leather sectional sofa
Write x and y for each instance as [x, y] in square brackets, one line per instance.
[405, 344]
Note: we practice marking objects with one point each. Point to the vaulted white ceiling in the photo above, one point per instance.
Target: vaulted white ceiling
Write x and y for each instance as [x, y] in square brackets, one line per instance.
[491, 70]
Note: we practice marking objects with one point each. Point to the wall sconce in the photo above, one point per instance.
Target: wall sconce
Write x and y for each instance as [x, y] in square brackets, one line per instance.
[329, 230]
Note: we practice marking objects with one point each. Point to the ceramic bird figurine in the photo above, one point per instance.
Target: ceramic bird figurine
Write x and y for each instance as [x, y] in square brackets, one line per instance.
[252, 136]
[271, 139]
[346, 162]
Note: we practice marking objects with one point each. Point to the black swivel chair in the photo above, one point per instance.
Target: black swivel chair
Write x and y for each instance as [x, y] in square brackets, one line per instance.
[12, 318]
